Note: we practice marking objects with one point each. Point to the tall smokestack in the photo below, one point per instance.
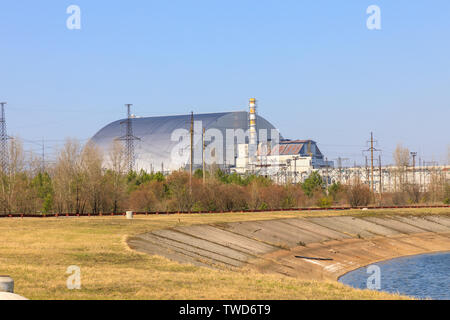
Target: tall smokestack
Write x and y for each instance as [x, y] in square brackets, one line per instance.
[253, 135]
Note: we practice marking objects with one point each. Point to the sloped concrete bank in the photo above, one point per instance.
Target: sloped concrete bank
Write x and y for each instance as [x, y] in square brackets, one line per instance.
[315, 248]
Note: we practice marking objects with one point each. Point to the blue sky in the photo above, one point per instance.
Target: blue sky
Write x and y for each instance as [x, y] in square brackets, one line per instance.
[315, 68]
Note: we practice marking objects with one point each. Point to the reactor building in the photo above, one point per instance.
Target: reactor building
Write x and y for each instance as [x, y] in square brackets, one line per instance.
[241, 142]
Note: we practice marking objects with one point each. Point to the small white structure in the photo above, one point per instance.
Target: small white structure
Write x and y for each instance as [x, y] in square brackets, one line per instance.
[130, 215]
[6, 284]
[7, 289]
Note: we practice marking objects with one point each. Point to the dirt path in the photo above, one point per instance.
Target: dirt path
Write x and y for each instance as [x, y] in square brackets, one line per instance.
[310, 248]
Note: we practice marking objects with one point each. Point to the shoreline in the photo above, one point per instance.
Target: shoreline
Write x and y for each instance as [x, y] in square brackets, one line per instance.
[336, 244]
[349, 255]
[399, 257]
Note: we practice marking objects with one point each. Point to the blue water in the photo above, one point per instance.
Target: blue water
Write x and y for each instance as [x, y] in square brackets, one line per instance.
[424, 277]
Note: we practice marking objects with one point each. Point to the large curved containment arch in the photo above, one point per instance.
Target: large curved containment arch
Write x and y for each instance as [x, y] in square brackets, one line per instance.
[165, 141]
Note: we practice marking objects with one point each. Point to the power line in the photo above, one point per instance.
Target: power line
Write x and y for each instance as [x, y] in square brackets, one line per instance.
[372, 150]
[129, 139]
[4, 159]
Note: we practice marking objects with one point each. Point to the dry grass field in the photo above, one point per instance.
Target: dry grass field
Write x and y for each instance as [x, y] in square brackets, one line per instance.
[37, 253]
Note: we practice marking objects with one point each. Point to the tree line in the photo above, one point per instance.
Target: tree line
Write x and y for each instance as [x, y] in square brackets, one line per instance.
[79, 183]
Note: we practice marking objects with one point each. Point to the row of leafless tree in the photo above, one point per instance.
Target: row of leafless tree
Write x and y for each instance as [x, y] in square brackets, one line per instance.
[79, 183]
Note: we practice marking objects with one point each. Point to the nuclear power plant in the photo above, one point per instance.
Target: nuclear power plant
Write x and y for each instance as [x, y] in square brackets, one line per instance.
[243, 142]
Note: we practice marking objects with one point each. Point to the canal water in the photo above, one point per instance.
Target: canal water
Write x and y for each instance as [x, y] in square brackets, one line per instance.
[424, 277]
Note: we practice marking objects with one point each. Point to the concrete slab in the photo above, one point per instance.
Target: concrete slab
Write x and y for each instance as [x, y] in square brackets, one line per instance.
[229, 239]
[368, 226]
[272, 232]
[423, 223]
[354, 230]
[440, 220]
[194, 253]
[145, 246]
[429, 242]
[391, 223]
[202, 247]
[295, 233]
[310, 226]
[319, 237]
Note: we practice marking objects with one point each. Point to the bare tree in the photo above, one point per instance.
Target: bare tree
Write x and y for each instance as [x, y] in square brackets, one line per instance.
[92, 188]
[30, 198]
[116, 174]
[117, 158]
[13, 178]
[401, 156]
[402, 159]
[67, 178]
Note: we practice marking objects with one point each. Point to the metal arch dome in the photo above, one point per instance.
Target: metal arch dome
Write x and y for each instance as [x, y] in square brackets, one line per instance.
[154, 149]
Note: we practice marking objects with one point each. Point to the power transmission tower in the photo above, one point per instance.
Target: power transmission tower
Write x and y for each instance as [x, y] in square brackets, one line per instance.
[129, 139]
[4, 158]
[372, 151]
[371, 156]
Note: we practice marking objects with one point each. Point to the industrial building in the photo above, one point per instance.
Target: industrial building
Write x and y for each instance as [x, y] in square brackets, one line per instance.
[241, 142]
[292, 158]
[388, 178]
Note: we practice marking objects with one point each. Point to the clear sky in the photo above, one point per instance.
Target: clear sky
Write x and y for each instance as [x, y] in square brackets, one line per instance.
[315, 68]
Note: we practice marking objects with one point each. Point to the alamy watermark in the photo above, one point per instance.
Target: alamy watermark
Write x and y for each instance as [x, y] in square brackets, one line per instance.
[374, 20]
[374, 280]
[73, 22]
[74, 280]
[221, 146]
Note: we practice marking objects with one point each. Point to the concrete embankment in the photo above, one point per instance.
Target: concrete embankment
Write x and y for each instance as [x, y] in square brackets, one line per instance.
[316, 248]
